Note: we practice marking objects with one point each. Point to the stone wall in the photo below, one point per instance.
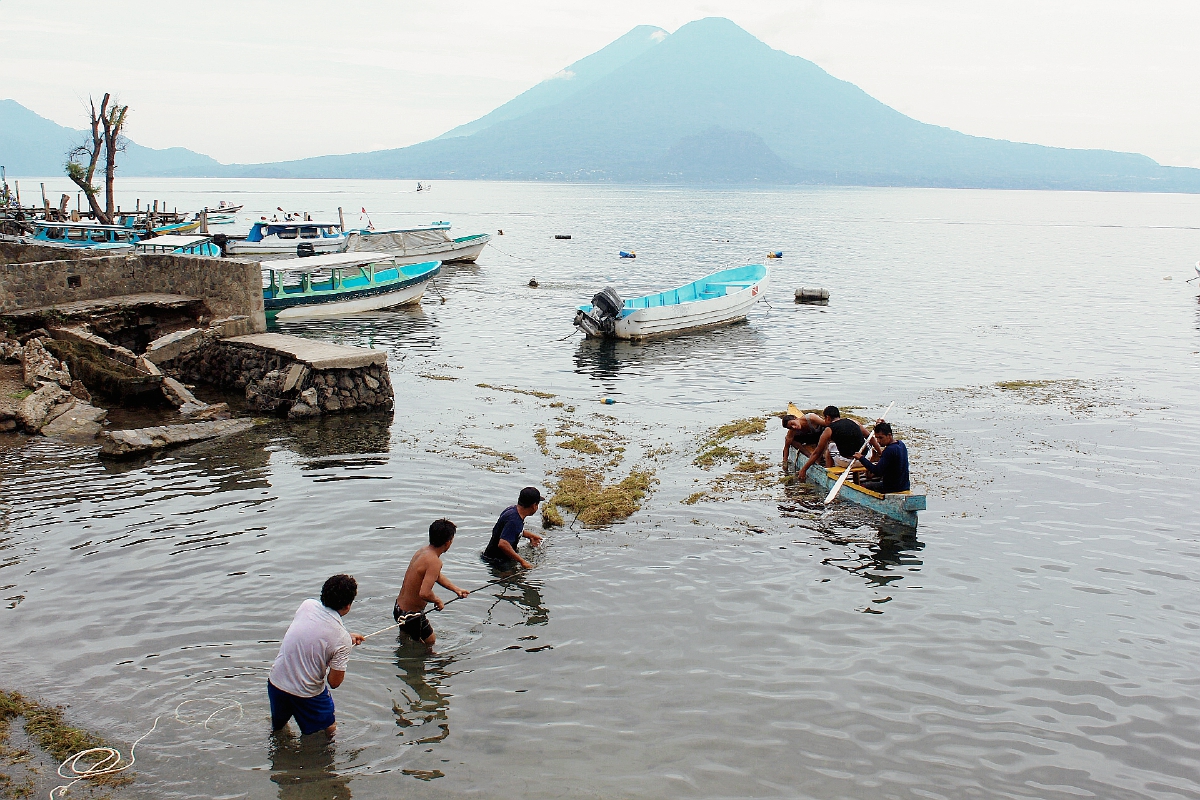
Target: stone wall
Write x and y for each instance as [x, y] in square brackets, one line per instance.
[228, 287]
[277, 384]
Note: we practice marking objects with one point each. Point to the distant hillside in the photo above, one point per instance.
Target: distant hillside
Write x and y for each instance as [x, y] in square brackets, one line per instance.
[33, 145]
[710, 103]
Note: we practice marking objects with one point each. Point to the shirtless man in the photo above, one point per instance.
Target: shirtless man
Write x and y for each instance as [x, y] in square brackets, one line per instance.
[803, 433]
[424, 571]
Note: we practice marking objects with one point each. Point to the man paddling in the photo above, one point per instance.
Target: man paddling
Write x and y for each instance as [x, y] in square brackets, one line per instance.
[891, 470]
[316, 648]
[423, 572]
[845, 434]
[510, 527]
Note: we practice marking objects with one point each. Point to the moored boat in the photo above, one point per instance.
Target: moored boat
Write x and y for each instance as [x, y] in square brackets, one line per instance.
[298, 238]
[717, 299]
[87, 235]
[342, 283]
[419, 244]
[183, 244]
[900, 506]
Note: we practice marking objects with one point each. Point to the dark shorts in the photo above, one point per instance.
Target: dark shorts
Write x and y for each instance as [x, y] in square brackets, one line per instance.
[312, 713]
[414, 623]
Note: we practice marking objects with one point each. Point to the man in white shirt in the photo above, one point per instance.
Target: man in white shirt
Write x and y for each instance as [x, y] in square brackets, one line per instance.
[316, 647]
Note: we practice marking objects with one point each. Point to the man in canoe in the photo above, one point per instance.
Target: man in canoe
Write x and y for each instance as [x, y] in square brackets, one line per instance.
[803, 432]
[423, 572]
[315, 649]
[510, 527]
[891, 469]
[846, 435]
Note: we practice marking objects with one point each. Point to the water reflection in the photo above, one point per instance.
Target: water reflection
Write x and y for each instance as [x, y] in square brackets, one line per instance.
[339, 435]
[409, 326]
[231, 463]
[607, 359]
[422, 712]
[516, 592]
[303, 768]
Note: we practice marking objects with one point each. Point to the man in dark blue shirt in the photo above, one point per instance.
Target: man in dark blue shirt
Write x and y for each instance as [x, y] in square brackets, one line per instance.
[891, 470]
[508, 530]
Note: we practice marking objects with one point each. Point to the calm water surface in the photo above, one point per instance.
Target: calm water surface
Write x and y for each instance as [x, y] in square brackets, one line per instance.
[1037, 638]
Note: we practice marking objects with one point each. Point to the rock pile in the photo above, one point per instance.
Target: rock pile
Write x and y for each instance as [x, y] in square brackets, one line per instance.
[41, 396]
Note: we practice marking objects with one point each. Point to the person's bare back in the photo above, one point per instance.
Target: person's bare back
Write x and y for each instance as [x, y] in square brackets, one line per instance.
[423, 571]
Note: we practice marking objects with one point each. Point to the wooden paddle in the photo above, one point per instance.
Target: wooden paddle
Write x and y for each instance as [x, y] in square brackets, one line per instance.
[837, 487]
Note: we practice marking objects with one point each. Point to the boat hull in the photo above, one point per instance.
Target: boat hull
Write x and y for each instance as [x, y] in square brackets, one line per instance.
[900, 506]
[466, 249]
[351, 305]
[352, 296]
[286, 247]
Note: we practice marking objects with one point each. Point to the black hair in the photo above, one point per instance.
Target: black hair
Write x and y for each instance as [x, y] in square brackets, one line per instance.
[884, 428]
[788, 418]
[339, 592]
[441, 531]
[832, 412]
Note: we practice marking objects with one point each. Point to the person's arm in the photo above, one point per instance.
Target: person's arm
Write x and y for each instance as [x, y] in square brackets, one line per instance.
[445, 583]
[427, 593]
[787, 443]
[535, 538]
[510, 551]
[817, 452]
[336, 676]
[881, 466]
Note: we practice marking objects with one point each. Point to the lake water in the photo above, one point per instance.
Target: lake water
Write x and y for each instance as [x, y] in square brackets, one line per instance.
[1038, 636]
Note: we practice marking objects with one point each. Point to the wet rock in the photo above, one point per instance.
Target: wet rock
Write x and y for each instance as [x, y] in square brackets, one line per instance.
[80, 423]
[36, 333]
[10, 350]
[205, 411]
[303, 411]
[42, 367]
[34, 409]
[7, 425]
[174, 345]
[177, 394]
[295, 376]
[80, 391]
[124, 444]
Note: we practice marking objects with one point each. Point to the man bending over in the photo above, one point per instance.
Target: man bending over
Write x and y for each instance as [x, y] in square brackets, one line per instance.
[510, 527]
[315, 648]
[423, 572]
[844, 434]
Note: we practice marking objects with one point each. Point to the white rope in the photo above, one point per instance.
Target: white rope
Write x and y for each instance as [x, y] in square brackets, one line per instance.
[226, 707]
[109, 765]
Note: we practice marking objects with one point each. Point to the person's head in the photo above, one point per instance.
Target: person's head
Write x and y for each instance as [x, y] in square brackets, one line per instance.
[441, 533]
[788, 418]
[832, 413]
[528, 499]
[883, 433]
[339, 592]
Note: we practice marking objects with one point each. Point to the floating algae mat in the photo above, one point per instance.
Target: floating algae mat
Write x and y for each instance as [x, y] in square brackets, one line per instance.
[596, 504]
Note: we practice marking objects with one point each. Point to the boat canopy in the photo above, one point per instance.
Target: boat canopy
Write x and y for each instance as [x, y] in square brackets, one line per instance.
[330, 261]
[293, 230]
[170, 242]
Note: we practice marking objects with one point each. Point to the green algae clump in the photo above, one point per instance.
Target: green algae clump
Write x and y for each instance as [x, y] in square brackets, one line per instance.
[595, 504]
[581, 444]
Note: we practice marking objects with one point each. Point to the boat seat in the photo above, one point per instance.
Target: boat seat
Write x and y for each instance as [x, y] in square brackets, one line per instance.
[709, 288]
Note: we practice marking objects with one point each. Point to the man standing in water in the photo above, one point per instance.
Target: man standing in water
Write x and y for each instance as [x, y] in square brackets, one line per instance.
[510, 527]
[316, 647]
[423, 572]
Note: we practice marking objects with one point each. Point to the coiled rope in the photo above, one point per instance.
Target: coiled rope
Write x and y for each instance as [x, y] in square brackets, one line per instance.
[110, 764]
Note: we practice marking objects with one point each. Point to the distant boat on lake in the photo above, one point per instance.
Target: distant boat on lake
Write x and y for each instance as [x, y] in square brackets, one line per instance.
[342, 283]
[297, 238]
[717, 299]
[425, 243]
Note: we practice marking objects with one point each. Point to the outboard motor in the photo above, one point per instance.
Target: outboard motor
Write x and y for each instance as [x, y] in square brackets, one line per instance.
[220, 240]
[602, 319]
[304, 250]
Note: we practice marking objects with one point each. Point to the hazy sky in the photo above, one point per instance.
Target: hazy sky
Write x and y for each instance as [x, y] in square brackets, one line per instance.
[254, 81]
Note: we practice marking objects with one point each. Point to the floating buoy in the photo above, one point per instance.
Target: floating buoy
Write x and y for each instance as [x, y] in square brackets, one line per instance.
[608, 401]
[628, 255]
[533, 284]
[775, 254]
[812, 295]
[562, 236]
[499, 232]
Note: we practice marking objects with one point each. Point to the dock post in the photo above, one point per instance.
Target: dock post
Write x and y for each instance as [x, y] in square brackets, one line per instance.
[17, 184]
[341, 220]
[204, 220]
[45, 201]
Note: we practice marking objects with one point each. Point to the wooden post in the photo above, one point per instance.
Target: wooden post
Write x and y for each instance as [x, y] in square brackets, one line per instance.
[17, 184]
[45, 200]
[204, 220]
[62, 206]
[341, 220]
[138, 207]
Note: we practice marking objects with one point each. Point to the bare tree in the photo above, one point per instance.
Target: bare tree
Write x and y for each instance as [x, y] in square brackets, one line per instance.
[107, 139]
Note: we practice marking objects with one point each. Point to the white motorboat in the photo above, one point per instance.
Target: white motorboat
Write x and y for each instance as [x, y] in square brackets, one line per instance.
[717, 299]
[295, 238]
[419, 244]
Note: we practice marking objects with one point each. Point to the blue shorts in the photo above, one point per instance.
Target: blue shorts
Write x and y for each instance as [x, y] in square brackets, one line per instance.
[312, 713]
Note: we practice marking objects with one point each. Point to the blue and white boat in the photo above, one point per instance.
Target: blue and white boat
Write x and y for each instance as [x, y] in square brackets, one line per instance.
[297, 238]
[419, 244]
[88, 235]
[717, 299]
[197, 244]
[342, 283]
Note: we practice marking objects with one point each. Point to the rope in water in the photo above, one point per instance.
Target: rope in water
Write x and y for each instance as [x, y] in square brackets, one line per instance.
[448, 602]
[110, 764]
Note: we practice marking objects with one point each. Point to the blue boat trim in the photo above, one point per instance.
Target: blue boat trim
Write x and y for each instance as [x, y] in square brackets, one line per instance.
[356, 288]
[710, 287]
[900, 506]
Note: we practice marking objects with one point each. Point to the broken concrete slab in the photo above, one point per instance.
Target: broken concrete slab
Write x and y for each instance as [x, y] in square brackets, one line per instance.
[316, 355]
[177, 394]
[81, 334]
[148, 367]
[34, 409]
[80, 423]
[124, 444]
[295, 375]
[41, 366]
[173, 345]
[205, 411]
[232, 326]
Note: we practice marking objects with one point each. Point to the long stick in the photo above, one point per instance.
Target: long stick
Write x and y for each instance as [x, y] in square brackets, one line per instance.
[448, 602]
[837, 487]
